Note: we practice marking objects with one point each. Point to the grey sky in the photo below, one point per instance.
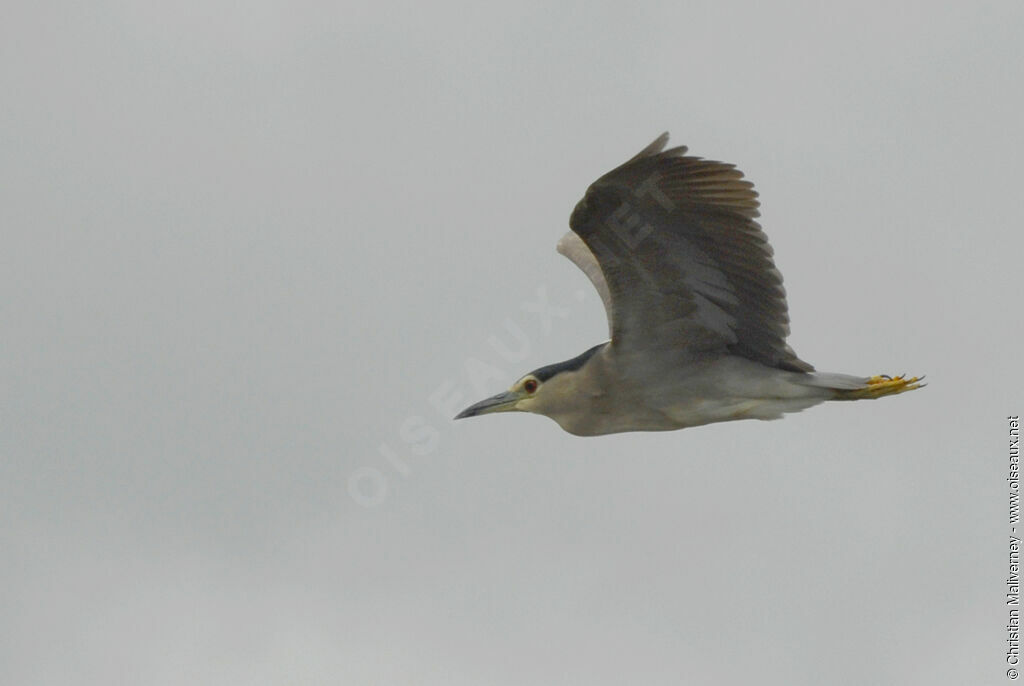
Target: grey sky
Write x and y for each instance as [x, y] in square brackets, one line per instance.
[246, 247]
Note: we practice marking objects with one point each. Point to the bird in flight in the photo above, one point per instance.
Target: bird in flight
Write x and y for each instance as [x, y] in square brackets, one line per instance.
[696, 311]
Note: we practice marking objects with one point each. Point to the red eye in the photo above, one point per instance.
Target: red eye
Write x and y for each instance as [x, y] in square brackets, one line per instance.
[530, 385]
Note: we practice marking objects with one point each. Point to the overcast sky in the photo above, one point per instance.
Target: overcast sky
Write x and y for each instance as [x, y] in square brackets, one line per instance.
[256, 255]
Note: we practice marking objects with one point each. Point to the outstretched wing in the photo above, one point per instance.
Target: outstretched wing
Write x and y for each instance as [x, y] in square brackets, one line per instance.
[686, 267]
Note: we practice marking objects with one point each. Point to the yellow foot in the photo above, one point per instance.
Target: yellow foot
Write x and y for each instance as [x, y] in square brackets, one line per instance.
[878, 386]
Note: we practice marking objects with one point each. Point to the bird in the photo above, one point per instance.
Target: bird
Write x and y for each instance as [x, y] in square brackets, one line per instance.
[697, 315]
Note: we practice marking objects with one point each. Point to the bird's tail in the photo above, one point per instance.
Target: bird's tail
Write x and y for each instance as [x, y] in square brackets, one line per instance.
[846, 387]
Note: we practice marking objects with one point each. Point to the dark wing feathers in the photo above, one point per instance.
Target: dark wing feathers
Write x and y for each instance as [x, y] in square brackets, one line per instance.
[687, 267]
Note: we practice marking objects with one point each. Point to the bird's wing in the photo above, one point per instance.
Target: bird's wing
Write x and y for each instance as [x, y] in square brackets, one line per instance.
[573, 247]
[686, 267]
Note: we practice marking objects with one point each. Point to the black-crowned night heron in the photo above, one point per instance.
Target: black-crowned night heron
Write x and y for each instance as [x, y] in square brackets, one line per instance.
[696, 310]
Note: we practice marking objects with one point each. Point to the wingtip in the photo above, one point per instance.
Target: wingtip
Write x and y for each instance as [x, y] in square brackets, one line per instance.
[654, 148]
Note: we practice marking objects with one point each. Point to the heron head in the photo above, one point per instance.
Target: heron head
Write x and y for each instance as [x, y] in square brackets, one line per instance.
[523, 396]
[550, 391]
